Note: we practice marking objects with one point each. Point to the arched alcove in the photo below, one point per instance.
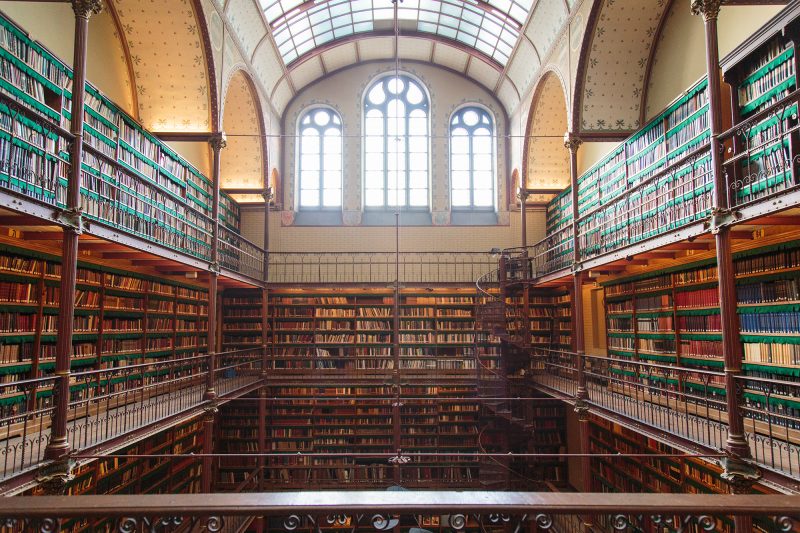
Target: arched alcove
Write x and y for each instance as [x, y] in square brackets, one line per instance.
[546, 161]
[242, 163]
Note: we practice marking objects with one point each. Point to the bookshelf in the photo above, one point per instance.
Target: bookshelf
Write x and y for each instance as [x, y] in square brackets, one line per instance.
[617, 204]
[331, 392]
[544, 322]
[131, 180]
[242, 319]
[136, 475]
[122, 317]
[672, 316]
[659, 474]
[762, 72]
[236, 433]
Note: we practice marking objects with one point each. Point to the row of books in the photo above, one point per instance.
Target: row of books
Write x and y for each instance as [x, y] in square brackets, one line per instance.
[779, 322]
[777, 75]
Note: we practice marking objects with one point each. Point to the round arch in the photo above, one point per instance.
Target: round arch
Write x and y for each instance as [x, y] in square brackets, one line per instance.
[545, 163]
[171, 64]
[243, 161]
[610, 91]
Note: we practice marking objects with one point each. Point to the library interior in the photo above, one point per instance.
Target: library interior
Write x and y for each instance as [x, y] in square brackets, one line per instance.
[421, 266]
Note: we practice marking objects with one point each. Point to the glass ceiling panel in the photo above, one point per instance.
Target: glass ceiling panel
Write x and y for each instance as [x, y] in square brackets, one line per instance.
[491, 27]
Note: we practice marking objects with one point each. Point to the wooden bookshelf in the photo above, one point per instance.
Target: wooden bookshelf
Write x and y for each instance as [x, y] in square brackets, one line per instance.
[761, 72]
[132, 181]
[658, 474]
[135, 475]
[672, 316]
[122, 317]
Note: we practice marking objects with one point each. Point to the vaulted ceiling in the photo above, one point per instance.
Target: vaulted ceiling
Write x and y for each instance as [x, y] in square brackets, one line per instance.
[292, 43]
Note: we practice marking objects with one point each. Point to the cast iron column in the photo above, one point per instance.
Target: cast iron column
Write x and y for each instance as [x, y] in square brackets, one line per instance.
[59, 446]
[522, 195]
[737, 470]
[572, 144]
[217, 142]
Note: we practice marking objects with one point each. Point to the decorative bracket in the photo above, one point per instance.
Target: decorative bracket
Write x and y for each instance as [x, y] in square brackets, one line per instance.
[72, 219]
[55, 477]
[576, 267]
[211, 408]
[214, 267]
[722, 217]
[582, 409]
[739, 473]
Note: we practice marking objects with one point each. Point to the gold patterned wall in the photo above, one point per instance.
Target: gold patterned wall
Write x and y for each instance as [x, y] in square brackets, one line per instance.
[546, 159]
[169, 64]
[242, 159]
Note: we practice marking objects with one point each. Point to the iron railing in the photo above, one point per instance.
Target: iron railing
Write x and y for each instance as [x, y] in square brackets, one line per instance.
[114, 194]
[240, 255]
[111, 402]
[759, 162]
[384, 511]
[686, 402]
[378, 267]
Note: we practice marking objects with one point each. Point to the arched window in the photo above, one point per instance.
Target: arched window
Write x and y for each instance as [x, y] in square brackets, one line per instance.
[319, 160]
[396, 144]
[472, 158]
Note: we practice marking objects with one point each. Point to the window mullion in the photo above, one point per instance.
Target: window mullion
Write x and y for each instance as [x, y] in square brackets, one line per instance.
[321, 184]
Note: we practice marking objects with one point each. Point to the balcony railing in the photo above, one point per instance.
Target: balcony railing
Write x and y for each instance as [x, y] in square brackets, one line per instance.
[761, 163]
[378, 267]
[107, 403]
[761, 157]
[240, 255]
[114, 195]
[686, 402]
[385, 511]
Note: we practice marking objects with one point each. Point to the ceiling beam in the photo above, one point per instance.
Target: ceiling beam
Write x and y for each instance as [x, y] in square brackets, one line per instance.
[688, 246]
[44, 236]
[778, 220]
[24, 220]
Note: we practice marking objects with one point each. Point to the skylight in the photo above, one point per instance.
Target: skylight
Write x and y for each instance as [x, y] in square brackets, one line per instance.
[491, 27]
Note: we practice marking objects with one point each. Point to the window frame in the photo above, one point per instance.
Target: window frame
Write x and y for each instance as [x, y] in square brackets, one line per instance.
[306, 112]
[493, 135]
[365, 108]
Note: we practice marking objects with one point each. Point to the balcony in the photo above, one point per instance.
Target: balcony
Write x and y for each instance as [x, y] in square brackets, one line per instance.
[689, 404]
[118, 204]
[109, 403]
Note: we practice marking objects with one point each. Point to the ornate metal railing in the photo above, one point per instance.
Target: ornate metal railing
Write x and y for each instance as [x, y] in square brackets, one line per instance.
[237, 369]
[113, 194]
[378, 267]
[687, 402]
[240, 255]
[384, 511]
[26, 413]
[553, 253]
[759, 162]
[111, 402]
[771, 408]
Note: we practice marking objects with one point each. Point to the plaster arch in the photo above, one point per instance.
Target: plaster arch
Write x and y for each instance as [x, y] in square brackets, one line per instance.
[243, 161]
[545, 164]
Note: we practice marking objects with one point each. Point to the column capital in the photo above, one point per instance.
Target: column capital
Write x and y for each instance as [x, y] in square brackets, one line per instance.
[522, 194]
[708, 8]
[218, 141]
[268, 193]
[572, 142]
[740, 474]
[87, 8]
